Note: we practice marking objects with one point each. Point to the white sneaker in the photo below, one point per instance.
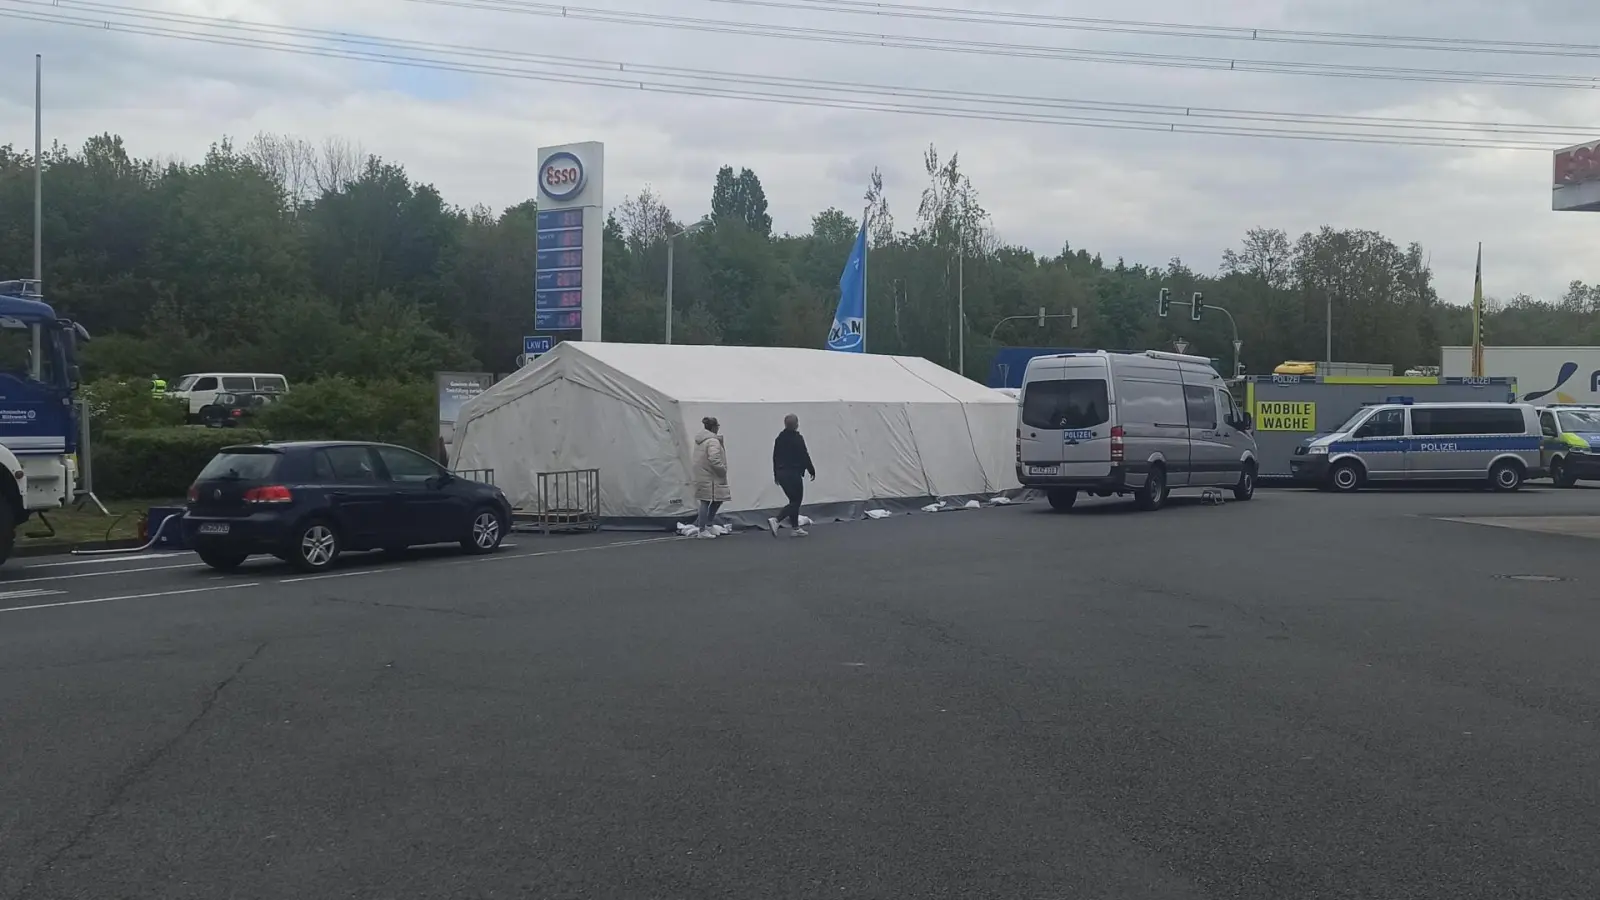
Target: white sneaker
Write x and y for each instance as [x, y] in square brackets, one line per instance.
[772, 526]
[801, 532]
[708, 533]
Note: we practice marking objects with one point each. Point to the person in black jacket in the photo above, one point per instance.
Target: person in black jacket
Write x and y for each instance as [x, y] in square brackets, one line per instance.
[791, 462]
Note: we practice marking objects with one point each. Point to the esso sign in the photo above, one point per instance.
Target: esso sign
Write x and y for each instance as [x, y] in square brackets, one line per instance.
[1577, 165]
[561, 176]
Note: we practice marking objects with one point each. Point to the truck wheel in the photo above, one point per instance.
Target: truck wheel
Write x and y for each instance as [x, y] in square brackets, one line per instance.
[1061, 499]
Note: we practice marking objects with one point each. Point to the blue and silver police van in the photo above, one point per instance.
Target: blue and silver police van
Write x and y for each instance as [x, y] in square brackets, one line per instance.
[1493, 442]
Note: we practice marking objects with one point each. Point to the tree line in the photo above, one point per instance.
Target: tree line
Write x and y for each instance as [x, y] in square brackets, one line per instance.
[318, 260]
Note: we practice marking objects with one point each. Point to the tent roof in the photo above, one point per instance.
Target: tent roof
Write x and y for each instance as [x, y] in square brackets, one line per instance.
[702, 373]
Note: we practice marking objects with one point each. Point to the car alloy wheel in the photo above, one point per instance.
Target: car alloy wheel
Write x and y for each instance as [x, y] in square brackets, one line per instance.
[318, 546]
[486, 530]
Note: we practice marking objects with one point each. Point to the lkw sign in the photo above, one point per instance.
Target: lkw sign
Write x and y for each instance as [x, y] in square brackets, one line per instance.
[1575, 181]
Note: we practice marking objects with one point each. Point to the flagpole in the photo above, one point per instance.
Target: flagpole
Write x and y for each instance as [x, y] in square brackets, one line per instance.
[38, 168]
[866, 216]
[1477, 316]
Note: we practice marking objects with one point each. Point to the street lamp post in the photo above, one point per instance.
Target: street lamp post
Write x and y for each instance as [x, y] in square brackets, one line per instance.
[672, 240]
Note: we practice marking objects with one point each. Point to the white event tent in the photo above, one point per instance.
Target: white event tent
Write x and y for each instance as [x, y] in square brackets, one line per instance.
[884, 431]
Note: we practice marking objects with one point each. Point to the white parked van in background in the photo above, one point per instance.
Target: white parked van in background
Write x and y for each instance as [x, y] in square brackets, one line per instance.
[1130, 423]
[200, 390]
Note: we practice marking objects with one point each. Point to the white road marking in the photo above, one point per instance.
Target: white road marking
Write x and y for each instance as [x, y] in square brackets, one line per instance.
[30, 592]
[492, 558]
[129, 557]
[7, 582]
[335, 575]
[220, 587]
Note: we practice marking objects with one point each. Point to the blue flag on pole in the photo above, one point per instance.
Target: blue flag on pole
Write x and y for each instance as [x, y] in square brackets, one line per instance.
[848, 333]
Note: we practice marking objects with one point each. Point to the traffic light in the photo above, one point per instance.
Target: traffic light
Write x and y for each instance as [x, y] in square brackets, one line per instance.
[1164, 304]
[1196, 304]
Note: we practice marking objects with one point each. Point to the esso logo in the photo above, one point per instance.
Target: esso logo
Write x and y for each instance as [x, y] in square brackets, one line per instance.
[561, 176]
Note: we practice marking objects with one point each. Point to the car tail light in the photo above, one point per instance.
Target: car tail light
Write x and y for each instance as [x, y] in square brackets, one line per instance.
[1116, 443]
[194, 493]
[276, 493]
[237, 413]
[1019, 445]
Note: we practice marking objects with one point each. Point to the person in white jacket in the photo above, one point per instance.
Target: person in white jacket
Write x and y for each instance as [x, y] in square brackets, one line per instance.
[710, 474]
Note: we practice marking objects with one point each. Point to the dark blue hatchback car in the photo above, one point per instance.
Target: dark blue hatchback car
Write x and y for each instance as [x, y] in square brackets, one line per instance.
[307, 502]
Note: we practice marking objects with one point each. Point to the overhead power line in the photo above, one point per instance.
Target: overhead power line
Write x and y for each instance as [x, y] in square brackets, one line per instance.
[802, 92]
[970, 16]
[856, 88]
[1016, 51]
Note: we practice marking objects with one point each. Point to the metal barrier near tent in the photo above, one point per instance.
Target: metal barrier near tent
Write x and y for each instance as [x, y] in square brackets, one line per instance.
[567, 500]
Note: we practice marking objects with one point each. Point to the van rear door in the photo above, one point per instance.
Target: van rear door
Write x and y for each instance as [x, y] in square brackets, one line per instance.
[1066, 418]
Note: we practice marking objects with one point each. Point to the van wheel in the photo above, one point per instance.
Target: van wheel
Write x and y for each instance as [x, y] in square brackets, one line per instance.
[1506, 476]
[1345, 478]
[1246, 488]
[1061, 499]
[1559, 473]
[1153, 495]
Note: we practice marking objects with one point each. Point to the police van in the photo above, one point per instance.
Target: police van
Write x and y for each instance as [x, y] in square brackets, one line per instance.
[1571, 447]
[1425, 442]
[1144, 424]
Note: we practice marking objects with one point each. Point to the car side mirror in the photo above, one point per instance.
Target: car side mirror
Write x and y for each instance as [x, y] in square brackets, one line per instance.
[440, 480]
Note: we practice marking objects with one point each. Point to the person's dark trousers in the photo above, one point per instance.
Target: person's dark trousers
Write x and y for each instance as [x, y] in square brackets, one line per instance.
[794, 487]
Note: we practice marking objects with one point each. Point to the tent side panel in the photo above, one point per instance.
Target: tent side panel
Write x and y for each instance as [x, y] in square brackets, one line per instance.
[564, 425]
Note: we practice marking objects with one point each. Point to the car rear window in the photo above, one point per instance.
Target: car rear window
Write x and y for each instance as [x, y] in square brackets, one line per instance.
[1065, 403]
[240, 466]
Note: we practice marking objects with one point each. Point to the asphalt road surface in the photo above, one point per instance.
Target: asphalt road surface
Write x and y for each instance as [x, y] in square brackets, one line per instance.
[1305, 696]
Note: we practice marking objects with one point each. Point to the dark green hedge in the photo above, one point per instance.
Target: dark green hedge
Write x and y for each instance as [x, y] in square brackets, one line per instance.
[159, 463]
[343, 409]
[132, 460]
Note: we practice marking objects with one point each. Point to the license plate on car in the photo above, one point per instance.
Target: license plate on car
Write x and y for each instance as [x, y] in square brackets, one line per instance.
[1043, 470]
[214, 528]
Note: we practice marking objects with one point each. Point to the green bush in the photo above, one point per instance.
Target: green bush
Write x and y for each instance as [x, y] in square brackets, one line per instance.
[122, 404]
[343, 409]
[159, 463]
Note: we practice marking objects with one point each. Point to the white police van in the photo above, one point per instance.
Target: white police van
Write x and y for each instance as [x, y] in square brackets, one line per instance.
[1106, 423]
[1425, 442]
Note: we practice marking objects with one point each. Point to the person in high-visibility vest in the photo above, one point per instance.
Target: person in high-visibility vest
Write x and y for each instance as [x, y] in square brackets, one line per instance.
[158, 386]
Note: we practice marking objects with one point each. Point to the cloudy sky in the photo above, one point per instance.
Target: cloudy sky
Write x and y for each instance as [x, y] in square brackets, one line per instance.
[1139, 194]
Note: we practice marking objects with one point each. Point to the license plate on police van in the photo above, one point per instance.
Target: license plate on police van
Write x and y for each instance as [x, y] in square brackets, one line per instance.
[1044, 470]
[214, 528]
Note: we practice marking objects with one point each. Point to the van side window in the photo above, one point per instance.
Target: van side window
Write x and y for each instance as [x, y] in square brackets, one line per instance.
[1065, 404]
[1450, 420]
[238, 383]
[208, 383]
[1230, 411]
[1202, 407]
[1547, 424]
[273, 384]
[1385, 423]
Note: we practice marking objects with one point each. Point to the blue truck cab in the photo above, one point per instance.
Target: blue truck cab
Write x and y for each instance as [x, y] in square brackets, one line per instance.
[38, 409]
